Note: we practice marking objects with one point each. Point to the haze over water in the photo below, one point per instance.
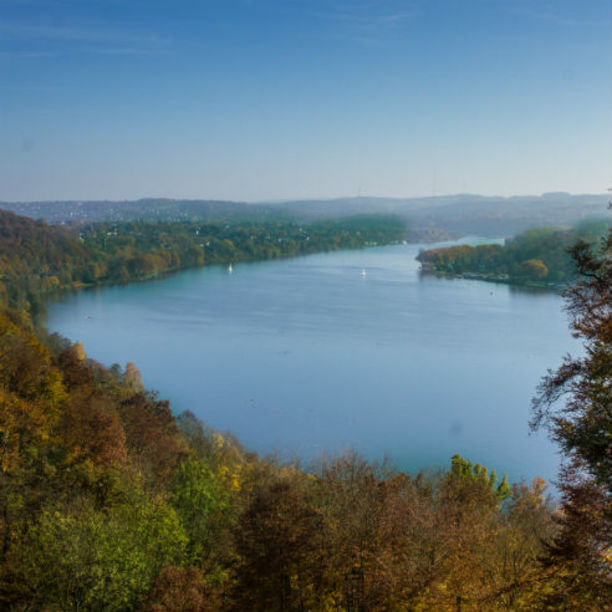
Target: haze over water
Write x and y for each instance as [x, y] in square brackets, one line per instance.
[306, 355]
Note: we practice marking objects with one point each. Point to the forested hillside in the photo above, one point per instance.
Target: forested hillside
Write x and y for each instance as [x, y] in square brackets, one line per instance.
[110, 502]
[37, 259]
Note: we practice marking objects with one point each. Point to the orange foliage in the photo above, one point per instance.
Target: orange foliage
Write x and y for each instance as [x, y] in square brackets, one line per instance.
[181, 589]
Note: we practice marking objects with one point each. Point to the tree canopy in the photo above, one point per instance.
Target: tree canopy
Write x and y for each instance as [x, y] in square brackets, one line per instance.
[575, 403]
[539, 256]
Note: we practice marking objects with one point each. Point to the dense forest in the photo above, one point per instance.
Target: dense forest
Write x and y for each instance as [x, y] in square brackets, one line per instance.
[539, 257]
[37, 259]
[110, 502]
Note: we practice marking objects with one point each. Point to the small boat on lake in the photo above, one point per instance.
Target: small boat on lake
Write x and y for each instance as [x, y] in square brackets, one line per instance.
[363, 272]
[230, 269]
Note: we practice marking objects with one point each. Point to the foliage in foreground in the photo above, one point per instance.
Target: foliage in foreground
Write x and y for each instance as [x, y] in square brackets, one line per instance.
[109, 502]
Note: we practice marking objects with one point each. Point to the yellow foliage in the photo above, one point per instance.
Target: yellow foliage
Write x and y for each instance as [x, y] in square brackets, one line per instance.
[22, 424]
[79, 351]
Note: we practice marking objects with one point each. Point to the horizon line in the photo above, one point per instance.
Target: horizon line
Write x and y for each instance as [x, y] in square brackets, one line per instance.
[303, 199]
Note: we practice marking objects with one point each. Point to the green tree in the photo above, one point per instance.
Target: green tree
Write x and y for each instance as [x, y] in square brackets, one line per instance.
[203, 505]
[463, 471]
[88, 560]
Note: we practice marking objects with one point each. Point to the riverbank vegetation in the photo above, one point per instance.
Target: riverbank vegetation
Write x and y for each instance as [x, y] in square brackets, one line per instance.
[37, 259]
[109, 501]
[539, 257]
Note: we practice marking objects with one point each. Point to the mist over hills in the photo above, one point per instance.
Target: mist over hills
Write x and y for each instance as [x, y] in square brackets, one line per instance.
[150, 209]
[436, 216]
[467, 213]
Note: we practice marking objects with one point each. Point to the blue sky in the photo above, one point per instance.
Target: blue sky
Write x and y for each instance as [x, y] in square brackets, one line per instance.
[277, 99]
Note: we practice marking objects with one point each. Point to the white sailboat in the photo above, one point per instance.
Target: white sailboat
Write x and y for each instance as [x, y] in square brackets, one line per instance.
[230, 269]
[363, 272]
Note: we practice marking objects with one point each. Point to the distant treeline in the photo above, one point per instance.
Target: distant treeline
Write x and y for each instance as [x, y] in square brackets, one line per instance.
[538, 257]
[37, 259]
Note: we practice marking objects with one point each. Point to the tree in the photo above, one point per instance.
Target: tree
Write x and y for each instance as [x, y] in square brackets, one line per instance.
[278, 542]
[83, 559]
[534, 269]
[352, 503]
[181, 589]
[579, 558]
[582, 425]
[202, 505]
[153, 439]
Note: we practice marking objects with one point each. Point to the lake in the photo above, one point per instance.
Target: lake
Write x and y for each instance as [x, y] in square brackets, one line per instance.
[304, 356]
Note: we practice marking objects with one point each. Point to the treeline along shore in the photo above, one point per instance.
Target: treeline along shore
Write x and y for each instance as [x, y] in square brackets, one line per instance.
[37, 259]
[538, 257]
[111, 502]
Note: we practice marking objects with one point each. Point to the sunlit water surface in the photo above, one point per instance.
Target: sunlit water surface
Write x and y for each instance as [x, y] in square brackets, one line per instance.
[306, 355]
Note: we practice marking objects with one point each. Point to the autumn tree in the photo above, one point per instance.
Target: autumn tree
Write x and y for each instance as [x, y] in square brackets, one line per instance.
[352, 501]
[582, 422]
[533, 269]
[278, 542]
[575, 403]
[181, 589]
[153, 440]
[578, 559]
[524, 526]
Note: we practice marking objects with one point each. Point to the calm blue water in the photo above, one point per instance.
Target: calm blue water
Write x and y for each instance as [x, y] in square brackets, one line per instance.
[305, 355]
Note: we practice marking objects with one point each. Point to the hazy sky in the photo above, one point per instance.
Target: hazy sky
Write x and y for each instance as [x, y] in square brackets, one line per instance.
[271, 99]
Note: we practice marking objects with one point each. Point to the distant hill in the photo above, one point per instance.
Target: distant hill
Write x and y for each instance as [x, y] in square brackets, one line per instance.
[488, 216]
[467, 213]
[35, 243]
[149, 209]
[453, 215]
[36, 258]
